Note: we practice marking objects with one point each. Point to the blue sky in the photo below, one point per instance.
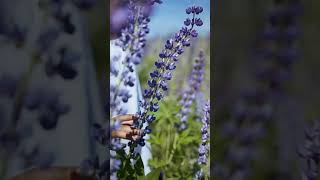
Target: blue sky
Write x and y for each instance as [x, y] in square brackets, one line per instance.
[168, 17]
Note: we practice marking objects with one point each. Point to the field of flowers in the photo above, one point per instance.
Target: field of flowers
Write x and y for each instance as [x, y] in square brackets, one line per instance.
[174, 73]
[175, 151]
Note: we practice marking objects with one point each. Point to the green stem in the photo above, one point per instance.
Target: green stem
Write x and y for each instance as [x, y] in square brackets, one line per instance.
[174, 147]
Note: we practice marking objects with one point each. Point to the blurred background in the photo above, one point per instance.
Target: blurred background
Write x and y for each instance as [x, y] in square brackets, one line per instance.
[53, 57]
[245, 147]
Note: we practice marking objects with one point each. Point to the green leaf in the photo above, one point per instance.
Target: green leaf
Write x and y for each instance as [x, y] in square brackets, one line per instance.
[141, 178]
[188, 140]
[139, 167]
[121, 173]
[129, 167]
[154, 140]
[154, 175]
[121, 154]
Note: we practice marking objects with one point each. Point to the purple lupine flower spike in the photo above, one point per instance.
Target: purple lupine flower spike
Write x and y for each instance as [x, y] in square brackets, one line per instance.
[311, 152]
[204, 147]
[159, 78]
[189, 95]
[132, 41]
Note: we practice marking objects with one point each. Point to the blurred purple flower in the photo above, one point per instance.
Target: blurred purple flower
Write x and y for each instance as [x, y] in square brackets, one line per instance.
[133, 21]
[255, 109]
[204, 147]
[189, 95]
[311, 152]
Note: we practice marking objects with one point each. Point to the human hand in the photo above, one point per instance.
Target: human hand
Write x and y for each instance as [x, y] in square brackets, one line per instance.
[126, 131]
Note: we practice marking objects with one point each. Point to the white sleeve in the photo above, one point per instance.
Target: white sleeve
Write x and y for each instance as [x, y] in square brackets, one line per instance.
[132, 106]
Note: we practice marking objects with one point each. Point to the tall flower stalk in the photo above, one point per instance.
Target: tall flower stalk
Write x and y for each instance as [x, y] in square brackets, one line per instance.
[162, 73]
[204, 148]
[132, 41]
[189, 95]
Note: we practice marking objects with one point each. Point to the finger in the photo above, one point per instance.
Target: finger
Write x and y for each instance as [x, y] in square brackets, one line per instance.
[131, 130]
[120, 134]
[128, 123]
[136, 137]
[126, 117]
[126, 135]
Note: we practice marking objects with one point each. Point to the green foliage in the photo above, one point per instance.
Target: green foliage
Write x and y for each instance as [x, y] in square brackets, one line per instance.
[153, 175]
[128, 169]
[176, 152]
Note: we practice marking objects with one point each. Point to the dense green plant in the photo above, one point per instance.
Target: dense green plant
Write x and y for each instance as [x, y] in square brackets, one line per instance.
[129, 171]
[176, 152]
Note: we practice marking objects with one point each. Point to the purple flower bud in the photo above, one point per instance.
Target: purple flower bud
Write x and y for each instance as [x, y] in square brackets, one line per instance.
[47, 38]
[162, 54]
[198, 10]
[186, 42]
[188, 10]
[202, 150]
[163, 84]
[159, 95]
[169, 44]
[187, 22]
[154, 107]
[48, 119]
[184, 31]
[147, 130]
[171, 66]
[151, 118]
[194, 33]
[177, 37]
[193, 9]
[152, 83]
[180, 50]
[129, 81]
[198, 22]
[142, 142]
[167, 75]
[159, 64]
[184, 119]
[174, 56]
[154, 74]
[125, 95]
